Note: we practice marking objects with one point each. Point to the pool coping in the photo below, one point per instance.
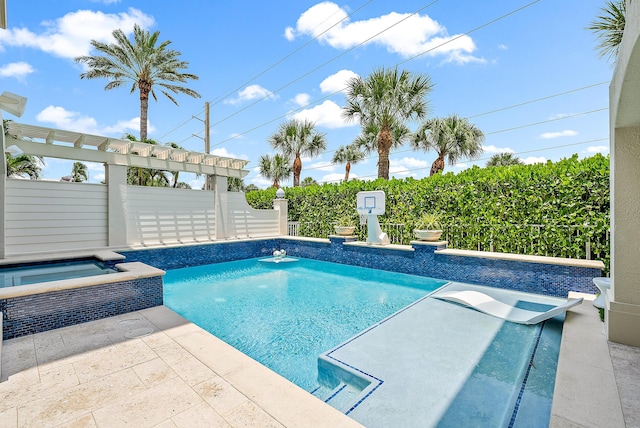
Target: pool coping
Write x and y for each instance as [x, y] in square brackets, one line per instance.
[127, 271]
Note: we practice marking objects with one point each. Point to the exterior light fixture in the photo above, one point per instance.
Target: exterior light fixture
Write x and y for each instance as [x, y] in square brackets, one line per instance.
[280, 193]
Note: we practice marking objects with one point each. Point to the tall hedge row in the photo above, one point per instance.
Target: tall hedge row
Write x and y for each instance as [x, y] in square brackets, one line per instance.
[567, 202]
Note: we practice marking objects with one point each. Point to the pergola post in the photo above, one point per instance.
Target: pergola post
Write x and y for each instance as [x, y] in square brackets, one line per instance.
[116, 179]
[223, 225]
[3, 194]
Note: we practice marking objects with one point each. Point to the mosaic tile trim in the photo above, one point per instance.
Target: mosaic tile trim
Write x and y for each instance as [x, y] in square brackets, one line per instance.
[539, 278]
[47, 311]
[512, 421]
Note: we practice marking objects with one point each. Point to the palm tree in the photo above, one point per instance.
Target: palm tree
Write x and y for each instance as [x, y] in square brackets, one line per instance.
[142, 64]
[79, 172]
[276, 168]
[382, 104]
[297, 138]
[235, 184]
[609, 28]
[24, 166]
[309, 181]
[452, 137]
[347, 155]
[504, 159]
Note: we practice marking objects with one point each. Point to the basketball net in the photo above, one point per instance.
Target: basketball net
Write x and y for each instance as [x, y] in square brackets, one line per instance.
[363, 219]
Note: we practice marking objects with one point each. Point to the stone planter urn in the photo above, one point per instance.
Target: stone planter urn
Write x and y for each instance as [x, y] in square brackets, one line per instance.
[344, 230]
[428, 235]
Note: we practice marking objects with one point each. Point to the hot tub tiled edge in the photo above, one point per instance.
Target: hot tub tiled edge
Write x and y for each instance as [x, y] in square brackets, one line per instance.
[36, 308]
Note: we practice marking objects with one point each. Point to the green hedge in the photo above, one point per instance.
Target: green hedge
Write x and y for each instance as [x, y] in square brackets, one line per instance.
[482, 208]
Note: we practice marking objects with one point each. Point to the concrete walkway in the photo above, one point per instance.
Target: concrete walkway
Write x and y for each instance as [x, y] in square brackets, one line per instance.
[149, 368]
[597, 382]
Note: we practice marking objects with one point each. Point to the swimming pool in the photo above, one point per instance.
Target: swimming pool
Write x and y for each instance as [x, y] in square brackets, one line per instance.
[441, 364]
[286, 315]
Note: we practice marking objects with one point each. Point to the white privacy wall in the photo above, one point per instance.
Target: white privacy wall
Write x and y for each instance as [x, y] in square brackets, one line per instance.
[160, 215]
[243, 221]
[45, 216]
[51, 216]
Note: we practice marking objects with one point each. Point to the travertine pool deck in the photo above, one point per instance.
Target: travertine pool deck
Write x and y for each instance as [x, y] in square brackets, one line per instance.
[108, 373]
[93, 375]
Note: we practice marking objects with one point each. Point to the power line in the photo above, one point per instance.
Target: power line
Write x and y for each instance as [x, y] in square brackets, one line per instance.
[336, 92]
[281, 60]
[495, 132]
[537, 100]
[485, 159]
[323, 65]
[547, 121]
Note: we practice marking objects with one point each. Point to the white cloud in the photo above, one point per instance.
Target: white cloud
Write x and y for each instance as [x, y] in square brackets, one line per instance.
[494, 149]
[322, 166]
[410, 163]
[301, 99]
[19, 70]
[70, 36]
[416, 34]
[597, 149]
[337, 82]
[559, 116]
[461, 165]
[502, 46]
[532, 159]
[336, 177]
[196, 183]
[251, 92]
[262, 182]
[225, 153]
[404, 167]
[62, 118]
[131, 126]
[565, 133]
[68, 120]
[327, 114]
[289, 34]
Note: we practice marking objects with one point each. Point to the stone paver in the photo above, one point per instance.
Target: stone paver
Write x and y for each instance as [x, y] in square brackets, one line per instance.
[112, 372]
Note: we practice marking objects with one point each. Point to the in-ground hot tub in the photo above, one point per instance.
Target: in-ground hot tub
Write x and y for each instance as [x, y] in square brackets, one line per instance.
[73, 291]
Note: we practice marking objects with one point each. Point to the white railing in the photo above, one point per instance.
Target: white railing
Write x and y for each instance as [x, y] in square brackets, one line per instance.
[577, 241]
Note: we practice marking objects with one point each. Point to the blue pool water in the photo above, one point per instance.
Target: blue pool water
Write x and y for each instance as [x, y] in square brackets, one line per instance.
[286, 315]
[441, 364]
[32, 274]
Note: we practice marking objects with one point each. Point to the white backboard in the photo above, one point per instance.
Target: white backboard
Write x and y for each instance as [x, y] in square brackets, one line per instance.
[371, 202]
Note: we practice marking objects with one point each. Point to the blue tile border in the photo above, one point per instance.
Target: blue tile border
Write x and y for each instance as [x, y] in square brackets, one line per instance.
[539, 278]
[111, 299]
[47, 311]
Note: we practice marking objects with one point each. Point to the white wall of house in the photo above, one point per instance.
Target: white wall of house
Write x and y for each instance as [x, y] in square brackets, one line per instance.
[622, 315]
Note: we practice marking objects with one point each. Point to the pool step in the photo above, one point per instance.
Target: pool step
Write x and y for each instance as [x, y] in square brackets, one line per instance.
[342, 397]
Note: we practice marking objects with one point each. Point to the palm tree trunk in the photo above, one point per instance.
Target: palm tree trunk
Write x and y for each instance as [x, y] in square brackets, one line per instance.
[385, 140]
[347, 169]
[145, 89]
[437, 166]
[275, 183]
[297, 168]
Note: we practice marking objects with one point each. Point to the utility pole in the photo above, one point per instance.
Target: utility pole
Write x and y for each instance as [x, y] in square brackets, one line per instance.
[207, 143]
[208, 179]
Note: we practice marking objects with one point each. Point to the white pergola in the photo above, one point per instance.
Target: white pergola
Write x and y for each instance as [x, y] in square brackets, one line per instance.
[56, 143]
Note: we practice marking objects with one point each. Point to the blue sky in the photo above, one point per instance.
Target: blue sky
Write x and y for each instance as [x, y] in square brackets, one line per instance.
[259, 65]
